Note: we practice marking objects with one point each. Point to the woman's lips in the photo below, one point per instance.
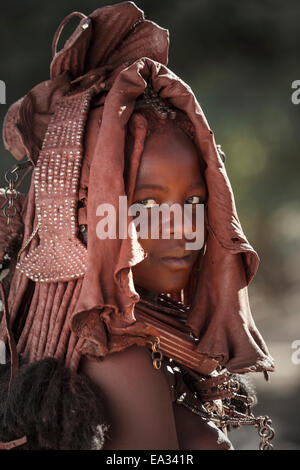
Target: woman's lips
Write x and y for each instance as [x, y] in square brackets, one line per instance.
[183, 262]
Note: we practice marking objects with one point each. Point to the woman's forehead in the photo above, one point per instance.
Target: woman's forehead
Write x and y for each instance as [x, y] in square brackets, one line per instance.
[169, 154]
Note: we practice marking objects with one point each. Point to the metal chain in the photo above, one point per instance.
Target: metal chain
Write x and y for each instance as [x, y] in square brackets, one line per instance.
[266, 433]
[157, 355]
[210, 411]
[10, 192]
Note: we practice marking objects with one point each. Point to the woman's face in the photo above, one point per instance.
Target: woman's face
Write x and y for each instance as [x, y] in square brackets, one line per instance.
[169, 173]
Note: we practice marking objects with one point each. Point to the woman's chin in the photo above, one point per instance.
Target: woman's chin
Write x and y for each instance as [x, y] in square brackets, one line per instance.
[171, 284]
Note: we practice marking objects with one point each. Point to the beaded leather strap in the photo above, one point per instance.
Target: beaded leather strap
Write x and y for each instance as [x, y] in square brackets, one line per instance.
[60, 256]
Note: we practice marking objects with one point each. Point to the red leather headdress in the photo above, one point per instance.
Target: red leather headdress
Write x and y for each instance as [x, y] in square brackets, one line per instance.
[112, 55]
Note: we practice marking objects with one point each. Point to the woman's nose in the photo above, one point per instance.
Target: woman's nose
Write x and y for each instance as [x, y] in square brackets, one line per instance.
[179, 221]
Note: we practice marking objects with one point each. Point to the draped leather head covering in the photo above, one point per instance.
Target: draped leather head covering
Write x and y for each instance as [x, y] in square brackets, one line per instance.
[107, 64]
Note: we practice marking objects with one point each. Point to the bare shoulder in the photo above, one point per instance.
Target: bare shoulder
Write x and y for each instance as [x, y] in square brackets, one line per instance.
[129, 371]
[137, 398]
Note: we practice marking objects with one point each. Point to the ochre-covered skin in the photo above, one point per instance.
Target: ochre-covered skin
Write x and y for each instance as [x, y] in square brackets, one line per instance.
[169, 173]
[93, 316]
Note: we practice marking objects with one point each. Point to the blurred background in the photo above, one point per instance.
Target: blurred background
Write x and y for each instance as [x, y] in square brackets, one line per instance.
[240, 58]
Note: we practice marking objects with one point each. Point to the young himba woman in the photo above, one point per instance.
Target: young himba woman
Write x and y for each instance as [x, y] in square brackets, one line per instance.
[141, 411]
[114, 121]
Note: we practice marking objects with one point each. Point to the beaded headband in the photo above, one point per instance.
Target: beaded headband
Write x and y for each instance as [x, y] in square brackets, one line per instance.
[150, 99]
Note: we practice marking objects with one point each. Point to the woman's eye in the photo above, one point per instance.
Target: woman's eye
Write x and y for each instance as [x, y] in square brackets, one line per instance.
[195, 200]
[148, 203]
